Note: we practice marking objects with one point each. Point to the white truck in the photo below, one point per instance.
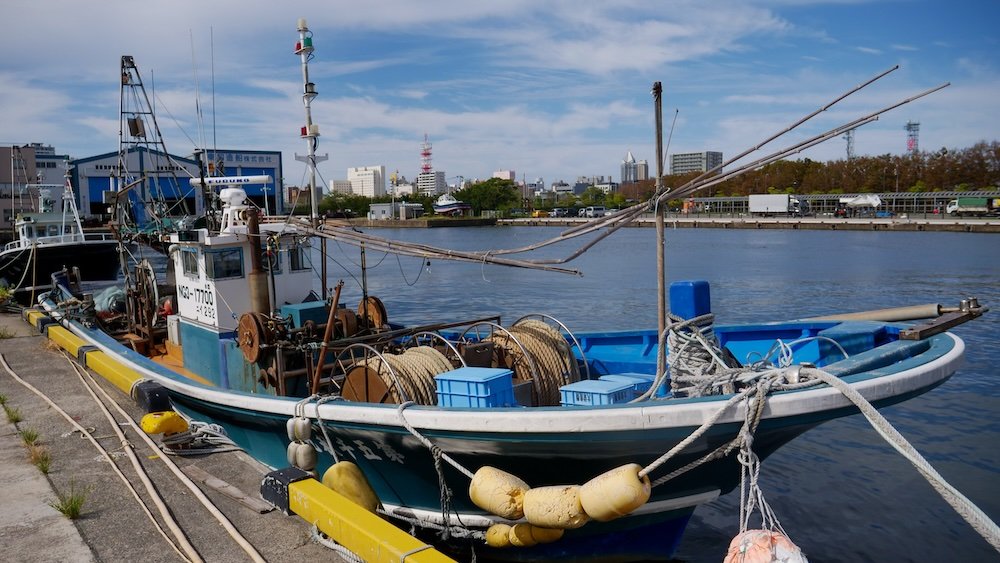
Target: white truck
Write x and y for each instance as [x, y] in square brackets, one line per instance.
[774, 204]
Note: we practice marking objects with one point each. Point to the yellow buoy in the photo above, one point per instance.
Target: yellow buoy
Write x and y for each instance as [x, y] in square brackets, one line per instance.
[555, 507]
[167, 422]
[615, 493]
[497, 535]
[520, 535]
[347, 479]
[546, 535]
[498, 492]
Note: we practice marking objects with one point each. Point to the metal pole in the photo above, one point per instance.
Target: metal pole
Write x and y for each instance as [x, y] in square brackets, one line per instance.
[661, 276]
[304, 48]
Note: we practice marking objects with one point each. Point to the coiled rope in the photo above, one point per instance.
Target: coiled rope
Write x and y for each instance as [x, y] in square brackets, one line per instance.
[199, 439]
[410, 376]
[546, 358]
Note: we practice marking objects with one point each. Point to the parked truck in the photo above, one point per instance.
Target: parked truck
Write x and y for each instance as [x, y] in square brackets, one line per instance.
[973, 206]
[776, 204]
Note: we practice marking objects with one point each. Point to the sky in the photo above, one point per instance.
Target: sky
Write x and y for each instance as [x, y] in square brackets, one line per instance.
[550, 89]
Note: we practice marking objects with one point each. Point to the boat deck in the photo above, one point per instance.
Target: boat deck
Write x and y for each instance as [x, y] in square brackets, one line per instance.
[171, 356]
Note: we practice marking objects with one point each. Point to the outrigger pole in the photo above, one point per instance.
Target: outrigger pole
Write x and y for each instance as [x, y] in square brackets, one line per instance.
[661, 268]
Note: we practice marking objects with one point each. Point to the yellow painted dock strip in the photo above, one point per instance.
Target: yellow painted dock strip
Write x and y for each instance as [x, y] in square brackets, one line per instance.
[66, 339]
[118, 375]
[369, 536]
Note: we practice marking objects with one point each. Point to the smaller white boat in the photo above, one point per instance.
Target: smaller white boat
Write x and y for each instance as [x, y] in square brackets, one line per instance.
[448, 205]
[51, 240]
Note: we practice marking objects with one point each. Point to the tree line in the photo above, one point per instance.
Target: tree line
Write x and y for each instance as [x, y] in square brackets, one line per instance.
[973, 168]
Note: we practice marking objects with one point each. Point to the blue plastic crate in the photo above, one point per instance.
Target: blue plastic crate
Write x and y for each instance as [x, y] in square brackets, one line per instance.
[641, 382]
[475, 387]
[591, 392]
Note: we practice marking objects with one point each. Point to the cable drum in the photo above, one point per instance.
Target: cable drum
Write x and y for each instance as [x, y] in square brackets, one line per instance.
[538, 352]
[404, 377]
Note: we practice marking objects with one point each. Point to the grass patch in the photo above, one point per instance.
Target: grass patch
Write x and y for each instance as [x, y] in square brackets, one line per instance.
[13, 415]
[6, 332]
[40, 458]
[70, 505]
[3, 399]
[29, 436]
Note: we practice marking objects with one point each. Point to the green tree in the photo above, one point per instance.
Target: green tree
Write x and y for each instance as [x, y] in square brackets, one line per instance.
[495, 193]
[592, 196]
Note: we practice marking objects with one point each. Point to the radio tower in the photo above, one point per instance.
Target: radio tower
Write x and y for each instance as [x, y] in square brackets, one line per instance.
[912, 137]
[849, 137]
[425, 156]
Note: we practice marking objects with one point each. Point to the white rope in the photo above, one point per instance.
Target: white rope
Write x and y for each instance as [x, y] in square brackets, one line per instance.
[235, 534]
[322, 539]
[962, 505]
[107, 457]
[139, 470]
[430, 445]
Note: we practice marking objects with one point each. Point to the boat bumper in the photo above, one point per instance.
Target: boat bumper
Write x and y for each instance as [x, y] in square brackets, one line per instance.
[364, 533]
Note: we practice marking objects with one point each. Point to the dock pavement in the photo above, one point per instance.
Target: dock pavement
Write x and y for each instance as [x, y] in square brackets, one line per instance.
[112, 525]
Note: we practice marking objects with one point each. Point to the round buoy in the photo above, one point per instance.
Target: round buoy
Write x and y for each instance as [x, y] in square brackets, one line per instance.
[555, 507]
[347, 479]
[763, 546]
[615, 493]
[498, 535]
[498, 492]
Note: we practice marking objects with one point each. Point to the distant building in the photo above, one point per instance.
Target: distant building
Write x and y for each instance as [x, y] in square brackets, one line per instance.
[96, 178]
[641, 171]
[630, 170]
[607, 187]
[533, 189]
[431, 183]
[682, 163]
[340, 186]
[402, 189]
[395, 210]
[505, 175]
[368, 181]
[17, 173]
[561, 187]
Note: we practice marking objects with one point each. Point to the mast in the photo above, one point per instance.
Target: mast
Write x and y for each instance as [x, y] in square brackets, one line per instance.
[310, 132]
[304, 48]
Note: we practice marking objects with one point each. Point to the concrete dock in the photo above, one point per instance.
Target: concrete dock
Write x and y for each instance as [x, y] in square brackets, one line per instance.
[113, 526]
[928, 223]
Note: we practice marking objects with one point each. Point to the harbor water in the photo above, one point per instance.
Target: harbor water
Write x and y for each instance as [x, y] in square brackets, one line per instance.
[840, 491]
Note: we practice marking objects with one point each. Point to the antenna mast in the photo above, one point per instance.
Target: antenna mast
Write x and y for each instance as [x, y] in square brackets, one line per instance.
[310, 132]
[912, 137]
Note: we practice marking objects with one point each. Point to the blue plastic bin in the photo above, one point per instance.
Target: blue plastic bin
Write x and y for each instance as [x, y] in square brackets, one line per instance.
[592, 392]
[475, 387]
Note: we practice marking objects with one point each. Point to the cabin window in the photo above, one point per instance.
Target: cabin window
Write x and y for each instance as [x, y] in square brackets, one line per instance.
[297, 258]
[270, 259]
[224, 263]
[68, 230]
[53, 230]
[29, 231]
[189, 262]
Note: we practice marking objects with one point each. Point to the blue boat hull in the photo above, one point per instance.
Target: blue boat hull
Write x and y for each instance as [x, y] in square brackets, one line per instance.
[562, 445]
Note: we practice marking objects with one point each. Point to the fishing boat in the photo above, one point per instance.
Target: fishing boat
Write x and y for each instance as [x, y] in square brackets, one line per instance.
[516, 439]
[50, 240]
[446, 204]
[529, 397]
